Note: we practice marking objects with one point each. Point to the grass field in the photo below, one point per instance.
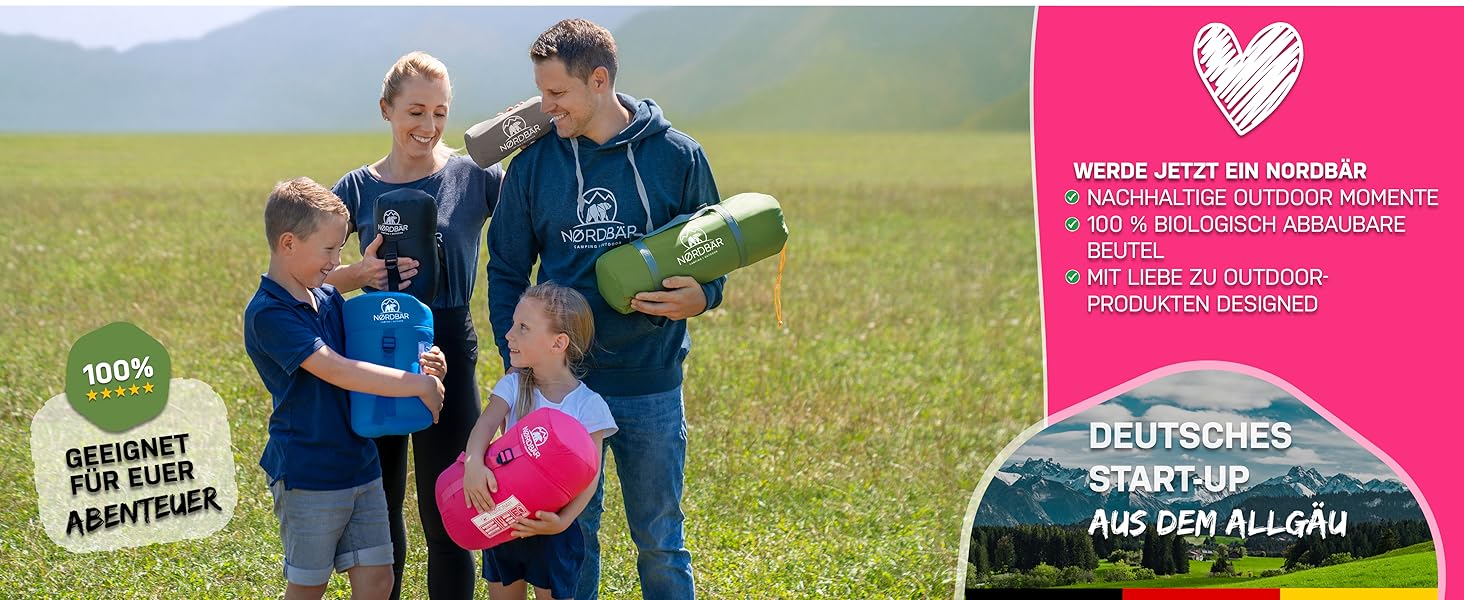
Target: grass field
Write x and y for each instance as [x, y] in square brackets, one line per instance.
[1414, 566]
[1414, 549]
[831, 459]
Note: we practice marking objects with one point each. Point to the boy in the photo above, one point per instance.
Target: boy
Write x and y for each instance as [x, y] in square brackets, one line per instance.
[325, 479]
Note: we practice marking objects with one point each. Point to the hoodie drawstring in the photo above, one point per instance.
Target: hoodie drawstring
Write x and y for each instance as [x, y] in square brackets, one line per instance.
[640, 187]
[579, 199]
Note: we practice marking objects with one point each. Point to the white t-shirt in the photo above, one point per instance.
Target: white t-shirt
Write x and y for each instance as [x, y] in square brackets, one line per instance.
[583, 404]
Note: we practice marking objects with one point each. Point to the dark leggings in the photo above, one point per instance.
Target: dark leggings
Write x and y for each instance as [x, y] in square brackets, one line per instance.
[450, 572]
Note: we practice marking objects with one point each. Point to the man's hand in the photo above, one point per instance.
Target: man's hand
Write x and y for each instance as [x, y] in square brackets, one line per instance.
[431, 394]
[478, 483]
[371, 271]
[434, 363]
[511, 107]
[547, 523]
[682, 299]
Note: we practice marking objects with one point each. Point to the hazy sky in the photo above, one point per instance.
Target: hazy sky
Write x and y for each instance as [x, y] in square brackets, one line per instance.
[121, 27]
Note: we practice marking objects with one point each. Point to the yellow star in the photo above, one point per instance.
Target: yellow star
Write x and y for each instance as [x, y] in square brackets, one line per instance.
[147, 387]
[134, 389]
[91, 395]
[106, 393]
[120, 391]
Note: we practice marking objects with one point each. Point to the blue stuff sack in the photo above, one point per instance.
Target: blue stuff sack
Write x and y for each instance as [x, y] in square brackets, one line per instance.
[391, 329]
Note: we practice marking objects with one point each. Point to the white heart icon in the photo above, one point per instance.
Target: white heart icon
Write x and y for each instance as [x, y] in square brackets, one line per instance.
[1248, 84]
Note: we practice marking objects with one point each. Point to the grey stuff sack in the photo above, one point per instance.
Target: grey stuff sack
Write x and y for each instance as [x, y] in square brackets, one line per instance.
[493, 140]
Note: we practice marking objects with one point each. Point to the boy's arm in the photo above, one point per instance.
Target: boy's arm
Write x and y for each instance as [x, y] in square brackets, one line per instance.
[478, 479]
[285, 336]
[512, 250]
[360, 376]
[550, 523]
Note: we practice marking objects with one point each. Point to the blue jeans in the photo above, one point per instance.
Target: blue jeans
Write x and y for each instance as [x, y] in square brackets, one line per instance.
[650, 457]
[325, 530]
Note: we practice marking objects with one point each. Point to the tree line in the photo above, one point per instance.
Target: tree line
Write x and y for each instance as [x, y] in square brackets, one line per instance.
[1020, 548]
[1362, 540]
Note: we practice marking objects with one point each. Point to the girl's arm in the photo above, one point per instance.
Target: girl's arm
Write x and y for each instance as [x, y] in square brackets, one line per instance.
[549, 523]
[478, 480]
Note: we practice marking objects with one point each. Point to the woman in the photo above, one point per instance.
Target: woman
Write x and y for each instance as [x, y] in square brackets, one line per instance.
[415, 95]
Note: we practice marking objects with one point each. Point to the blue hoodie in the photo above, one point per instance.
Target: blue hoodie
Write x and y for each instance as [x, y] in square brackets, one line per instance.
[567, 201]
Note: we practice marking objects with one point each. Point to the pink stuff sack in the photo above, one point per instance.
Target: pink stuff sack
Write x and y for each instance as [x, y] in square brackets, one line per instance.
[541, 463]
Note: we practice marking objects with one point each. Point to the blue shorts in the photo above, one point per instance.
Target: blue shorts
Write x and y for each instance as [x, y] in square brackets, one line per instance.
[551, 562]
[325, 530]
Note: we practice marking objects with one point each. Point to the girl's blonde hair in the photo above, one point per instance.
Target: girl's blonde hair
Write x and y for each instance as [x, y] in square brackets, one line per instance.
[569, 313]
[416, 64]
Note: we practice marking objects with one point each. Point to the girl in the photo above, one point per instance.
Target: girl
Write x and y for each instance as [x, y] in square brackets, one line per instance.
[552, 329]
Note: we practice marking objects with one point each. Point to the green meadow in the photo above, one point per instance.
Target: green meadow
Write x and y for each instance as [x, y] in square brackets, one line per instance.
[831, 458]
[1415, 566]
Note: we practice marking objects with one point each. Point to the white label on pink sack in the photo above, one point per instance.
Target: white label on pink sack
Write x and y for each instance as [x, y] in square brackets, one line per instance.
[533, 438]
[503, 516]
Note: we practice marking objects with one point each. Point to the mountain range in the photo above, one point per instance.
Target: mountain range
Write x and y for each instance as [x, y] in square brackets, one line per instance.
[1042, 491]
[740, 68]
[1308, 482]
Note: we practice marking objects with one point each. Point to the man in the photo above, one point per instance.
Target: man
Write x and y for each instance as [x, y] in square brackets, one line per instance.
[615, 171]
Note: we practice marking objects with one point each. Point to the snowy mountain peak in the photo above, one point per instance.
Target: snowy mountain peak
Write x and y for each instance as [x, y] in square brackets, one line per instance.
[1304, 481]
[1388, 486]
[1051, 470]
[1301, 481]
[1035, 466]
[1306, 475]
[1341, 483]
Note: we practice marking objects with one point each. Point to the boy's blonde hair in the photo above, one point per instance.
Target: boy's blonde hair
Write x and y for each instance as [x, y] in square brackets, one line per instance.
[296, 206]
[416, 64]
[569, 313]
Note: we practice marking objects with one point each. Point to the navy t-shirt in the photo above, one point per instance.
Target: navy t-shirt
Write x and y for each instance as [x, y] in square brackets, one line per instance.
[465, 197]
[311, 444]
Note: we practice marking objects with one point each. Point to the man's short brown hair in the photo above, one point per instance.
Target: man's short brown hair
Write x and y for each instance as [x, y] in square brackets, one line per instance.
[296, 206]
[581, 45]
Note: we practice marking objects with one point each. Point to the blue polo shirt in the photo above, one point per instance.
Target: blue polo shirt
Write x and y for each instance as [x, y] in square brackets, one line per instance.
[311, 445]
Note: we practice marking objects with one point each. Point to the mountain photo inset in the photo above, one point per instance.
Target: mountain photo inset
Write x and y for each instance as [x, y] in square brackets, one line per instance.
[1200, 478]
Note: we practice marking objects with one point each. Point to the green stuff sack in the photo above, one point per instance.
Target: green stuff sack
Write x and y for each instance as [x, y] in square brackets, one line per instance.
[708, 244]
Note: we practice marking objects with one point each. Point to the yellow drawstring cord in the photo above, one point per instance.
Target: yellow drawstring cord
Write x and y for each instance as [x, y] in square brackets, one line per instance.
[778, 286]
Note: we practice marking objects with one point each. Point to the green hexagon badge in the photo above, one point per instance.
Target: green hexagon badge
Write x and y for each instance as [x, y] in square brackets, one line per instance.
[117, 377]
